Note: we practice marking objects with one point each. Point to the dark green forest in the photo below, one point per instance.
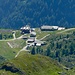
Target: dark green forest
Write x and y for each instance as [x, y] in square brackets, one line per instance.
[17, 13]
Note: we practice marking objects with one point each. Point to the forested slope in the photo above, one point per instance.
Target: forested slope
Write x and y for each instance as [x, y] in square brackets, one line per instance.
[16, 13]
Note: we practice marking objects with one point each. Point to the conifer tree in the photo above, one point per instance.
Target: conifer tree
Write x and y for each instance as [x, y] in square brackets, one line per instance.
[33, 51]
[48, 51]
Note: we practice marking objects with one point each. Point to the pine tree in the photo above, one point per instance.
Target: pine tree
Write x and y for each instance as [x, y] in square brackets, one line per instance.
[38, 50]
[48, 51]
[71, 49]
[0, 36]
[33, 51]
[57, 53]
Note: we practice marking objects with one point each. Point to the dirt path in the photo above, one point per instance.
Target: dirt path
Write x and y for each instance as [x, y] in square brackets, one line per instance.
[23, 49]
[66, 30]
[9, 45]
[14, 36]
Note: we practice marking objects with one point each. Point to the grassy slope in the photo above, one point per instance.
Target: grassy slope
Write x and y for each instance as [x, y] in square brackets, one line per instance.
[35, 65]
[5, 50]
[41, 34]
[18, 43]
[8, 52]
[18, 33]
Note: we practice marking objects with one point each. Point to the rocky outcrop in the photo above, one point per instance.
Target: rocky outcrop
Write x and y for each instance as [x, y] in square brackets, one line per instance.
[10, 67]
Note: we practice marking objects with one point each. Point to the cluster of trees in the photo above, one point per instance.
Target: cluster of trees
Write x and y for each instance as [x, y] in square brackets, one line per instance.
[61, 47]
[36, 50]
[16, 13]
[6, 36]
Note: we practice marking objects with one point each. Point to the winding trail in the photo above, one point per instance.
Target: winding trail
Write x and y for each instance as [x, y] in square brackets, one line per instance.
[20, 37]
[23, 49]
[14, 36]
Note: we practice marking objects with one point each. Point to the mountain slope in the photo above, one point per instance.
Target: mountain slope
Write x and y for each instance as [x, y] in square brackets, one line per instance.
[32, 65]
[62, 48]
[16, 13]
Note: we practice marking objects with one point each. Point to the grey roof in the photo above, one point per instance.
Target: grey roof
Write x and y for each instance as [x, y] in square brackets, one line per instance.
[33, 33]
[33, 29]
[49, 27]
[31, 39]
[38, 41]
[25, 37]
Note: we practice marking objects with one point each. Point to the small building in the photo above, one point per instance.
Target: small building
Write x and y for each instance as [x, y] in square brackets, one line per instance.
[25, 37]
[49, 28]
[32, 29]
[33, 34]
[39, 43]
[61, 28]
[31, 40]
[25, 29]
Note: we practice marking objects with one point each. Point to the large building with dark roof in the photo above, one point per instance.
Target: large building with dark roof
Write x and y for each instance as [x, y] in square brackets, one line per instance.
[26, 29]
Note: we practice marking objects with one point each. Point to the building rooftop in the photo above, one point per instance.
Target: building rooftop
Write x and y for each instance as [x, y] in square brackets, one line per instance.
[31, 39]
[38, 41]
[25, 37]
[33, 33]
[49, 27]
[27, 27]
